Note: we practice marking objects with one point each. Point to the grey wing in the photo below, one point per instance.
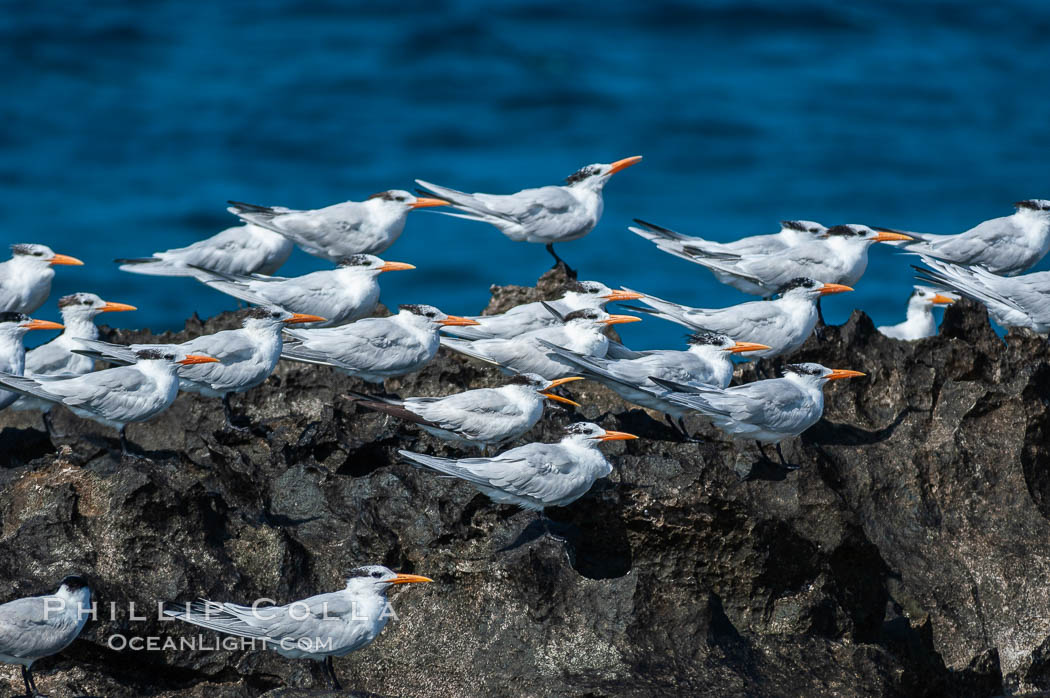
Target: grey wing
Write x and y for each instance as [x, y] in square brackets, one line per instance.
[468, 412]
[529, 204]
[775, 404]
[48, 358]
[971, 246]
[372, 344]
[23, 632]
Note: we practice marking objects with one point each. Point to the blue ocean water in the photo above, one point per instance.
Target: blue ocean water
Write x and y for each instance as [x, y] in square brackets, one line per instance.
[126, 127]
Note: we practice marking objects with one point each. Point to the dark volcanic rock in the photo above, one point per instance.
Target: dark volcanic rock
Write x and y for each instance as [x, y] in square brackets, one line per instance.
[907, 557]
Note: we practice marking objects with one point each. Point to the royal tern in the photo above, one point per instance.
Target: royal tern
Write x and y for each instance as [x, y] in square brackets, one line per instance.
[35, 627]
[579, 295]
[840, 256]
[319, 627]
[13, 327]
[57, 358]
[347, 293]
[242, 249]
[919, 322]
[767, 411]
[343, 230]
[246, 357]
[537, 475]
[1012, 301]
[114, 397]
[581, 332]
[25, 279]
[375, 348]
[546, 215]
[791, 233]
[705, 364]
[483, 417]
[783, 323]
[1006, 246]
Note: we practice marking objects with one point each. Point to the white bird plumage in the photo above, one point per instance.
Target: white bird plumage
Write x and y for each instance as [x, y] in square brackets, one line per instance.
[242, 249]
[25, 279]
[919, 321]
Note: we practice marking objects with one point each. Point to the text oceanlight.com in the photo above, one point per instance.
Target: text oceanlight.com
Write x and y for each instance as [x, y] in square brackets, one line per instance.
[214, 643]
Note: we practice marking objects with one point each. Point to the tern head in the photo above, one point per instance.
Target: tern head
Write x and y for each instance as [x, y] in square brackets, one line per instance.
[173, 357]
[591, 434]
[1033, 206]
[595, 317]
[595, 176]
[812, 373]
[87, 306]
[533, 381]
[925, 297]
[41, 254]
[801, 287]
[399, 198]
[272, 317]
[595, 294]
[430, 315]
[74, 582]
[378, 579]
[17, 324]
[811, 228]
[370, 263]
[854, 233]
[719, 344]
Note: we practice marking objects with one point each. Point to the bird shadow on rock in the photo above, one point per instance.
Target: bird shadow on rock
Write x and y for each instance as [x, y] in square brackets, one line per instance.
[828, 433]
[29, 444]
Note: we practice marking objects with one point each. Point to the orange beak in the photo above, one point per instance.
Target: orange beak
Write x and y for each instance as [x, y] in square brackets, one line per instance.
[425, 202]
[562, 381]
[622, 295]
[197, 359]
[616, 436]
[66, 259]
[395, 266]
[409, 579]
[456, 320]
[843, 373]
[890, 237]
[747, 346]
[624, 164]
[941, 299]
[42, 325]
[116, 307]
[834, 288]
[303, 317]
[559, 398]
[620, 319]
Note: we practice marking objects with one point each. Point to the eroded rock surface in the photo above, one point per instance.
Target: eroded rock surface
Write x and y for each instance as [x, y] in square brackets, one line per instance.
[908, 556]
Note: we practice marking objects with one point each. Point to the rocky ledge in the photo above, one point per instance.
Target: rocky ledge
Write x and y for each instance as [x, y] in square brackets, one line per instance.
[908, 556]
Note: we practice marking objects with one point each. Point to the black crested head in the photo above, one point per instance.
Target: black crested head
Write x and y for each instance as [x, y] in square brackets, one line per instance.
[583, 429]
[520, 379]
[153, 355]
[1034, 204]
[703, 339]
[261, 314]
[574, 287]
[74, 582]
[368, 571]
[845, 231]
[582, 174]
[797, 282]
[355, 260]
[8, 316]
[427, 311]
[384, 195]
[794, 225]
[27, 250]
[74, 299]
[803, 369]
[584, 314]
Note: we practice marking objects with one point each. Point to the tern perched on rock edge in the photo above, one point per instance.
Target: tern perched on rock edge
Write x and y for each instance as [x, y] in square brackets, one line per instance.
[342, 230]
[319, 627]
[545, 215]
[242, 249]
[35, 627]
[481, 418]
[919, 322]
[13, 327]
[25, 279]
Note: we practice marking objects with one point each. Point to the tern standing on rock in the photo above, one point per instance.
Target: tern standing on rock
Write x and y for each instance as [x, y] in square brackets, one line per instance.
[39, 626]
[537, 475]
[242, 249]
[374, 349]
[546, 215]
[114, 397]
[319, 627]
[481, 418]
[57, 358]
[342, 295]
[343, 230]
[920, 322]
[25, 279]
[13, 328]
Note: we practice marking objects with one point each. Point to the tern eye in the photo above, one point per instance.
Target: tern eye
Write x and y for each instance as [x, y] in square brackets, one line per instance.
[38, 254]
[377, 574]
[169, 357]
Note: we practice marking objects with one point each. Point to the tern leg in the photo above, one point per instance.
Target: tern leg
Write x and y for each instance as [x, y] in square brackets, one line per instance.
[26, 680]
[329, 668]
[228, 412]
[48, 426]
[558, 260]
[783, 463]
[124, 441]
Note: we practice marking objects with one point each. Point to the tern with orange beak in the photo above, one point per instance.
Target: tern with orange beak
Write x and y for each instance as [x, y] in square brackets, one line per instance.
[349, 292]
[920, 322]
[343, 230]
[545, 215]
[25, 279]
[13, 328]
[705, 364]
[579, 295]
[686, 246]
[319, 627]
[242, 249]
[783, 324]
[767, 411]
[537, 475]
[246, 356]
[481, 418]
[580, 332]
[374, 349]
[118, 396]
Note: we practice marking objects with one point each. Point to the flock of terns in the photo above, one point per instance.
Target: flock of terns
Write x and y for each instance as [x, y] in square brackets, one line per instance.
[325, 318]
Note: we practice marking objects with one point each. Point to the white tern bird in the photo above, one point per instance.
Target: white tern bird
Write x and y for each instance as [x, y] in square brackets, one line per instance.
[242, 249]
[919, 322]
[25, 279]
